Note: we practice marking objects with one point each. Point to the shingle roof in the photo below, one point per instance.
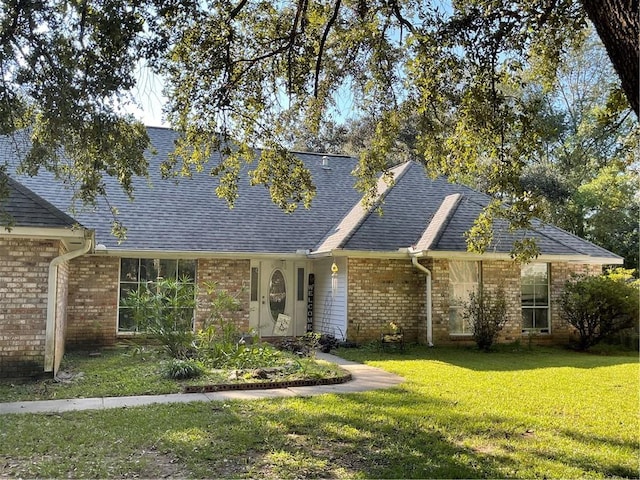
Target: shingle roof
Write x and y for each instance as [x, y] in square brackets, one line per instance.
[187, 216]
[420, 210]
[351, 223]
[30, 210]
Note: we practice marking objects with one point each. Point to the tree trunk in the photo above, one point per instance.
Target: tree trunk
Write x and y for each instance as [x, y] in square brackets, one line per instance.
[616, 22]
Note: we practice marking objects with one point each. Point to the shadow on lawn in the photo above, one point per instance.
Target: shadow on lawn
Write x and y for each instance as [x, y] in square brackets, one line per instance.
[389, 435]
[505, 358]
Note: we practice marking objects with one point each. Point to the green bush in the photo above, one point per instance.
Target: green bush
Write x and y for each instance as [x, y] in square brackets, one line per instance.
[164, 310]
[224, 346]
[221, 344]
[177, 369]
[486, 315]
[599, 307]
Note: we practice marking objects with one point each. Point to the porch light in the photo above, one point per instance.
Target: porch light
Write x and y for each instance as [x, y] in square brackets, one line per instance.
[334, 279]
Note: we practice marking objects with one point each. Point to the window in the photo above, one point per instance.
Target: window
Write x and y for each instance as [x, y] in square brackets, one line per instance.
[535, 297]
[277, 294]
[464, 278]
[254, 284]
[300, 284]
[137, 273]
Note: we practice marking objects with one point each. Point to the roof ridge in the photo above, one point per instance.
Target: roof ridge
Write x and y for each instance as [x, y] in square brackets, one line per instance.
[353, 220]
[439, 221]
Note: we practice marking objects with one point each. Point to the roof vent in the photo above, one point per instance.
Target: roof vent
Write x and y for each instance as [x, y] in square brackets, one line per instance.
[325, 163]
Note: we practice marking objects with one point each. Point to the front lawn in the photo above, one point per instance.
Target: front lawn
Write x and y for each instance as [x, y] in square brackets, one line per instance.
[138, 370]
[460, 414]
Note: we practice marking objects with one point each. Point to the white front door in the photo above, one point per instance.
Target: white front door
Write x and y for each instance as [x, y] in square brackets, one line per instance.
[278, 299]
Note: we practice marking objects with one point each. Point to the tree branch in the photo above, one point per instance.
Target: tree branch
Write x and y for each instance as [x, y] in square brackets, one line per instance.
[398, 14]
[323, 41]
[234, 13]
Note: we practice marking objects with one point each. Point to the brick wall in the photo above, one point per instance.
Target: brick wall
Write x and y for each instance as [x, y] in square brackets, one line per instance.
[506, 274]
[24, 272]
[92, 315]
[230, 275]
[561, 331]
[439, 299]
[92, 310]
[382, 291]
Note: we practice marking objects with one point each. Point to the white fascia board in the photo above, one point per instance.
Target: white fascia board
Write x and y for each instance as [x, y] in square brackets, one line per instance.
[403, 253]
[44, 232]
[585, 259]
[72, 238]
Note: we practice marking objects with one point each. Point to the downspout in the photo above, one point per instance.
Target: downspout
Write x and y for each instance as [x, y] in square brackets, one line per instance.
[52, 296]
[427, 272]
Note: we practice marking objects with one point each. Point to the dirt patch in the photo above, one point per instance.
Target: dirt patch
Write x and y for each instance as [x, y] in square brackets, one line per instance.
[144, 464]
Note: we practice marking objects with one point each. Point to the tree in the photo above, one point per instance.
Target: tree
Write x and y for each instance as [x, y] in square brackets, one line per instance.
[585, 175]
[598, 307]
[252, 73]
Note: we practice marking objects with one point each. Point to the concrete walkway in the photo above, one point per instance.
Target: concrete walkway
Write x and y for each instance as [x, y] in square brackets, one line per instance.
[364, 378]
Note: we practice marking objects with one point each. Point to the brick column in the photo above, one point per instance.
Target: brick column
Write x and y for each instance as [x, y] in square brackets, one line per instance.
[92, 308]
[230, 275]
[24, 273]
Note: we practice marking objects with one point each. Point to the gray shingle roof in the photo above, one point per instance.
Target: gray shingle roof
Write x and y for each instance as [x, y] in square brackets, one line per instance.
[188, 216]
[30, 210]
[410, 209]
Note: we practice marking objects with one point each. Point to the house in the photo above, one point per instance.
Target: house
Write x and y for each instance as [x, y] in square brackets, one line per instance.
[335, 268]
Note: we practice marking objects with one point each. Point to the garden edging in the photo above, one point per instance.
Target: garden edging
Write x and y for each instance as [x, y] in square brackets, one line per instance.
[221, 387]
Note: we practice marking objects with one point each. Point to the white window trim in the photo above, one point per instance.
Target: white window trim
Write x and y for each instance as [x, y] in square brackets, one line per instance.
[133, 333]
[459, 304]
[537, 330]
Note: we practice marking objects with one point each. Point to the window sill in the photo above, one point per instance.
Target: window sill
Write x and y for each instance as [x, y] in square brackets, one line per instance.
[128, 334]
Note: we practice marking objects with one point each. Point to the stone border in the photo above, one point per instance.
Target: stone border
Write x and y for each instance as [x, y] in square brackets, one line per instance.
[222, 387]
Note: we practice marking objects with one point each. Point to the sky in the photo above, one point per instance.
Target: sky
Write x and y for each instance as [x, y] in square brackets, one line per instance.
[148, 93]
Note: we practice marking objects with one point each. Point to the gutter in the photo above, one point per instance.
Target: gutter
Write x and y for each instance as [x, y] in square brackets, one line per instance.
[52, 296]
[427, 272]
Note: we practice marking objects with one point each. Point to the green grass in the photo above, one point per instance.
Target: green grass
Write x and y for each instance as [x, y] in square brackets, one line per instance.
[460, 414]
[125, 371]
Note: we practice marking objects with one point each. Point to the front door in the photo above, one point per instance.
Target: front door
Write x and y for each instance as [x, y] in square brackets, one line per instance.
[278, 297]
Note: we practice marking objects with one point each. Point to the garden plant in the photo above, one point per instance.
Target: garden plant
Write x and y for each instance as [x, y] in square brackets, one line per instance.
[164, 311]
[486, 314]
[600, 306]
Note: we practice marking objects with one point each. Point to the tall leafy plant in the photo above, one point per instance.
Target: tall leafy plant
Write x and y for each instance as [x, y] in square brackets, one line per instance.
[164, 310]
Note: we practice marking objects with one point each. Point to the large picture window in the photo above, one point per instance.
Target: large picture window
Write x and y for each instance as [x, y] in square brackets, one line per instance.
[535, 297]
[464, 278]
[137, 273]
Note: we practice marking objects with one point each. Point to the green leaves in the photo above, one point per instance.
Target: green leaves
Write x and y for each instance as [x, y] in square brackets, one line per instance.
[470, 77]
[599, 307]
[67, 71]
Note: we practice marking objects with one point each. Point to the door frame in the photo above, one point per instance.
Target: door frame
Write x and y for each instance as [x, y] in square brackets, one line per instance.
[260, 315]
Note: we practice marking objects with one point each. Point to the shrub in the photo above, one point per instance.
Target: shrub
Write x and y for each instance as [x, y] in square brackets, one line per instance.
[599, 307]
[177, 369]
[486, 315]
[164, 310]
